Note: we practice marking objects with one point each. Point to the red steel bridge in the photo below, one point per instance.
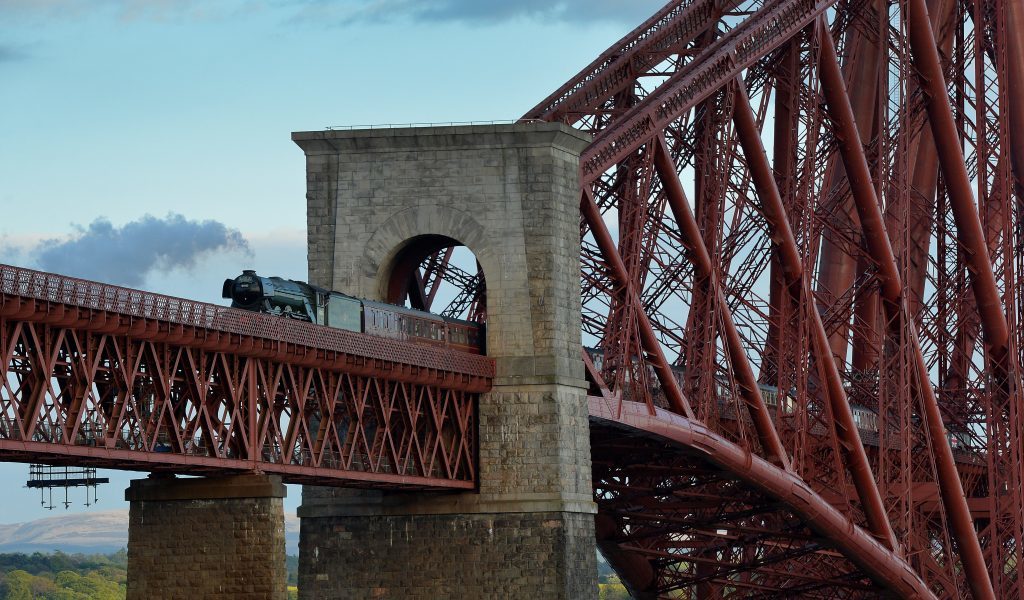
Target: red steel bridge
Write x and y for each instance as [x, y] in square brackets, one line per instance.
[105, 376]
[801, 228]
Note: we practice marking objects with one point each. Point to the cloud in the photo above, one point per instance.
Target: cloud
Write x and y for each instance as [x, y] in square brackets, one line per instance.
[9, 53]
[472, 11]
[125, 255]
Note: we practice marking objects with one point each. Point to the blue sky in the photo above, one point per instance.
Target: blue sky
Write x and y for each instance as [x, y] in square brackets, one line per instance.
[112, 110]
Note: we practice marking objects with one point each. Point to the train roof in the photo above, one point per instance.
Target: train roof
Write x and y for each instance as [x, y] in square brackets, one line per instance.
[373, 303]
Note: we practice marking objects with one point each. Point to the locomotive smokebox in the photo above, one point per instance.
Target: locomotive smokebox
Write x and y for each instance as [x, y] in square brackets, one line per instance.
[247, 290]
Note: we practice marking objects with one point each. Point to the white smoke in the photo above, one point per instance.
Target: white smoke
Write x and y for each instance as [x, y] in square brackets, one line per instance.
[125, 255]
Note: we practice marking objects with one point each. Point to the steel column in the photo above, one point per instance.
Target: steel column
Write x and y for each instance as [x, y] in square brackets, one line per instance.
[958, 183]
[877, 241]
[749, 389]
[592, 215]
[783, 239]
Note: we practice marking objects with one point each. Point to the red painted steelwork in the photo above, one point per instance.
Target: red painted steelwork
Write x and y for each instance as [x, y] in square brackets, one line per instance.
[107, 376]
[845, 427]
[718, 65]
[690, 508]
[838, 233]
[746, 379]
[667, 32]
[61, 300]
[650, 342]
[877, 241]
[737, 453]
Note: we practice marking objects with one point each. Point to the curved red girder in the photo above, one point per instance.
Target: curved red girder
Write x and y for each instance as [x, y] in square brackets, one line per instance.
[738, 449]
[666, 482]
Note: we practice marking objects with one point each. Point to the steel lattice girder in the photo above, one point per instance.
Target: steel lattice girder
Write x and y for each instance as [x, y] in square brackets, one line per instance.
[711, 513]
[855, 219]
[105, 376]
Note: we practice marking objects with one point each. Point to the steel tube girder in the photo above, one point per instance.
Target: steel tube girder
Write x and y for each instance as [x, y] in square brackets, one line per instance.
[782, 237]
[1015, 93]
[877, 240]
[665, 33]
[718, 65]
[592, 215]
[664, 110]
[749, 388]
[857, 545]
[954, 172]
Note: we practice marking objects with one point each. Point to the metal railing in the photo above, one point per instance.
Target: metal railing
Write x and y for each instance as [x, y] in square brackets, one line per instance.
[49, 287]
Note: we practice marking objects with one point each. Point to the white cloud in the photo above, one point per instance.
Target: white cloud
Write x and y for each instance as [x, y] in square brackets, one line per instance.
[125, 255]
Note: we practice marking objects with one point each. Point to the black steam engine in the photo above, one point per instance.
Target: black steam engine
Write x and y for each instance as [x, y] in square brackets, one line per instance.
[299, 300]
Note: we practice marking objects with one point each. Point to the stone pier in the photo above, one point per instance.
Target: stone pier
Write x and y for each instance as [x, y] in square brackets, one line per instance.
[214, 538]
[378, 202]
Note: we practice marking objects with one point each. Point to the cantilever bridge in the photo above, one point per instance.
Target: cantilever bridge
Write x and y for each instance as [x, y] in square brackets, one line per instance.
[801, 249]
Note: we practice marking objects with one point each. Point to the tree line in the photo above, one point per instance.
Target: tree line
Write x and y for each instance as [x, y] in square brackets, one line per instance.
[60, 576]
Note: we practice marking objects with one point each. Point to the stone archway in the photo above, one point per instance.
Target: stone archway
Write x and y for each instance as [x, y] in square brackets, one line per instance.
[378, 200]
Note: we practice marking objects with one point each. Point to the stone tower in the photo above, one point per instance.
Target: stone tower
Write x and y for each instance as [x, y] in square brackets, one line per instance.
[380, 200]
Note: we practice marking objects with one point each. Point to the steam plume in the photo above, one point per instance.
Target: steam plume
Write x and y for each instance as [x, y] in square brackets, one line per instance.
[124, 255]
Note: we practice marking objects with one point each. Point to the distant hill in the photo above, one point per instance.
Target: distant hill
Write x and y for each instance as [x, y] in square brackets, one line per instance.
[91, 532]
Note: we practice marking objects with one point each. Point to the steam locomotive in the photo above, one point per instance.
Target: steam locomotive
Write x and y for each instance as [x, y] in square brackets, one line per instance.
[305, 302]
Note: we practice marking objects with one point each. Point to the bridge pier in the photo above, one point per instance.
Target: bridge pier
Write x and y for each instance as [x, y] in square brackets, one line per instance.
[209, 537]
[378, 202]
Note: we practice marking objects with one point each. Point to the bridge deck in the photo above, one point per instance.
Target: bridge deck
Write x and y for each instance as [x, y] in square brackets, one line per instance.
[109, 376]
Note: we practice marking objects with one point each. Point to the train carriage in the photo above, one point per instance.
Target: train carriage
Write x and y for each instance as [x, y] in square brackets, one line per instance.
[299, 300]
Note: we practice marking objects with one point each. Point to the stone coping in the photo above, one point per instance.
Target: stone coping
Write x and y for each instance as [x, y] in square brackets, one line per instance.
[457, 136]
[169, 489]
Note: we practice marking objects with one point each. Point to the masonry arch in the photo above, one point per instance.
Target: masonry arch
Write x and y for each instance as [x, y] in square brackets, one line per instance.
[439, 274]
[432, 258]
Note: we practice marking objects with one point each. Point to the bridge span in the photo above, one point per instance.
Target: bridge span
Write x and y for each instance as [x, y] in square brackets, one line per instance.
[105, 376]
[793, 229]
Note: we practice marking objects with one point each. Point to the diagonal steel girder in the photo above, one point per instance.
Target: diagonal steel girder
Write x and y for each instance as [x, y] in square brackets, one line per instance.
[716, 66]
[954, 172]
[665, 33]
[863, 549]
[696, 82]
[592, 215]
[701, 259]
[879, 248]
[792, 269]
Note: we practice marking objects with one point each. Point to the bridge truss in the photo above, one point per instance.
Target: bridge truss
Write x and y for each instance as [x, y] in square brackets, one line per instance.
[784, 195]
[815, 200]
[99, 375]
[801, 228]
